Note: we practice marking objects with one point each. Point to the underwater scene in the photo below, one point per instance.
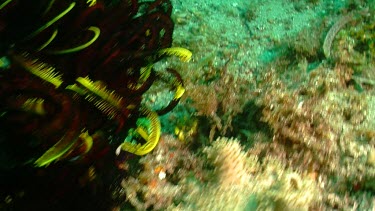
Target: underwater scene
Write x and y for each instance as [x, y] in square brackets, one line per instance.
[201, 105]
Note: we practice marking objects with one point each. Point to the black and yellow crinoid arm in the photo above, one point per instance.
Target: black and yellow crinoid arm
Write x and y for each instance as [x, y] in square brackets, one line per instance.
[148, 129]
[61, 148]
[96, 33]
[55, 152]
[147, 76]
[64, 148]
[182, 53]
[49, 23]
[96, 92]
[177, 86]
[39, 69]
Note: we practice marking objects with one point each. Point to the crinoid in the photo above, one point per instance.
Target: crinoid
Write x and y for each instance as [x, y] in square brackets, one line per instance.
[71, 89]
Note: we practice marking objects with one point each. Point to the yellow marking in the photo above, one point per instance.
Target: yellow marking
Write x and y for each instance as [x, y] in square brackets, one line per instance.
[151, 138]
[4, 4]
[48, 24]
[130, 107]
[179, 133]
[35, 105]
[94, 29]
[42, 70]
[148, 32]
[180, 90]
[91, 2]
[87, 140]
[76, 89]
[145, 74]
[101, 92]
[56, 151]
[183, 53]
[53, 36]
[49, 7]
[103, 99]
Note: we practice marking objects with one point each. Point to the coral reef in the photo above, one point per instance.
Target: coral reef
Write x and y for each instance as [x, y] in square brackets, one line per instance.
[302, 121]
[237, 181]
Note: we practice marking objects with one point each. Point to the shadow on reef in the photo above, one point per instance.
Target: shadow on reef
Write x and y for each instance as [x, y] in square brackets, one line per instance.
[246, 126]
[72, 77]
[248, 123]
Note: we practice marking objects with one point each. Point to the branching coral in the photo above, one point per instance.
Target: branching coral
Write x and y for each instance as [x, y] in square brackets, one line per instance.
[219, 100]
